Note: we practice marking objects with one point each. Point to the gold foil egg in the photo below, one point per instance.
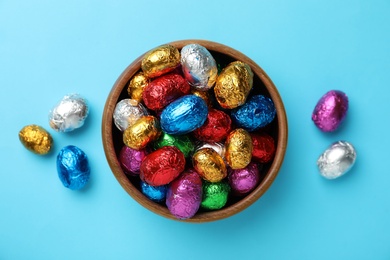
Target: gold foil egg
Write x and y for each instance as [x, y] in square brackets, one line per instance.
[36, 139]
[142, 132]
[137, 85]
[238, 149]
[205, 95]
[209, 164]
[233, 85]
[160, 60]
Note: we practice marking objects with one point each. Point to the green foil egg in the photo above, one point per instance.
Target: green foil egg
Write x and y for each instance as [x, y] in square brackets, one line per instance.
[181, 142]
[215, 195]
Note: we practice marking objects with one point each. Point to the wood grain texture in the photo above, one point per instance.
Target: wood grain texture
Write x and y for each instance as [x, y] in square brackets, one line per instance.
[110, 142]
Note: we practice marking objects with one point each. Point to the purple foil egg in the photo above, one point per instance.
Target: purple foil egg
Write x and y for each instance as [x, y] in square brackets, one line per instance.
[131, 159]
[242, 181]
[330, 110]
[185, 194]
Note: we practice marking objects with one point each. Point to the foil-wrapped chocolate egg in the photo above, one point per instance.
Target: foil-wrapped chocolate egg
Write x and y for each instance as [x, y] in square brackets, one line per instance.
[182, 142]
[199, 67]
[131, 159]
[243, 181]
[69, 114]
[263, 147]
[142, 132]
[165, 89]
[239, 149]
[185, 195]
[218, 147]
[127, 112]
[215, 195]
[184, 115]
[330, 110]
[257, 112]
[73, 167]
[336, 160]
[233, 85]
[36, 139]
[162, 166]
[137, 85]
[205, 95]
[216, 128]
[160, 60]
[154, 193]
[209, 164]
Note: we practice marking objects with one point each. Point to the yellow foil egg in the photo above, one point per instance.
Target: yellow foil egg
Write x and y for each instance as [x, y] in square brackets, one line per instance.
[142, 132]
[238, 149]
[137, 85]
[160, 60]
[209, 164]
[233, 85]
[36, 139]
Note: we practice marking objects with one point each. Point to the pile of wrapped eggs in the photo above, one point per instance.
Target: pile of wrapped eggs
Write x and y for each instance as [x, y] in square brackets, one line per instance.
[328, 115]
[67, 115]
[194, 131]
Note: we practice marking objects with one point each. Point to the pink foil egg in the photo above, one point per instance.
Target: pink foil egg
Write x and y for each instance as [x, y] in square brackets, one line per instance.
[330, 110]
[242, 181]
[131, 159]
[185, 194]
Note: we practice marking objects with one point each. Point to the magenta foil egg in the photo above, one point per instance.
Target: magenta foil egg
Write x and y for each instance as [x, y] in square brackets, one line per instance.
[242, 181]
[185, 194]
[131, 159]
[330, 110]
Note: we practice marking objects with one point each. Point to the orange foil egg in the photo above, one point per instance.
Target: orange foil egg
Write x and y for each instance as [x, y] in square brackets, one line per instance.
[209, 164]
[239, 149]
[160, 60]
[142, 132]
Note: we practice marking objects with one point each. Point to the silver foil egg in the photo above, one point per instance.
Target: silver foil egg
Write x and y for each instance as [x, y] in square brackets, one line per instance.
[199, 67]
[69, 114]
[126, 112]
[336, 160]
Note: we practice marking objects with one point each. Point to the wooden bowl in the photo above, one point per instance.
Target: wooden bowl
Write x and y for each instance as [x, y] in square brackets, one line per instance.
[262, 84]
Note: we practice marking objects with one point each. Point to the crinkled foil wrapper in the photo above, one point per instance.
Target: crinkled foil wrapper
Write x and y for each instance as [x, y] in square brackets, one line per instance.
[239, 149]
[199, 66]
[36, 139]
[142, 132]
[160, 60]
[69, 114]
[185, 195]
[127, 112]
[337, 160]
[233, 85]
[209, 164]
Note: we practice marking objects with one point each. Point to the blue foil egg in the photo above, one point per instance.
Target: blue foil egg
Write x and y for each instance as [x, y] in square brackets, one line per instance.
[73, 167]
[155, 193]
[257, 112]
[184, 115]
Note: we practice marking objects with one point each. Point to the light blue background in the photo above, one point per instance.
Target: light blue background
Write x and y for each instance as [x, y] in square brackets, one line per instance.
[52, 48]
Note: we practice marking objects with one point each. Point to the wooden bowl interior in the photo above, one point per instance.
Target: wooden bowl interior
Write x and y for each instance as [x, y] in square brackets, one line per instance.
[112, 137]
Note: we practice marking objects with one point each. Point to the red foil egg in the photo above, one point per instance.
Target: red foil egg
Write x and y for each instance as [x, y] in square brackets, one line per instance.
[162, 166]
[263, 147]
[163, 90]
[216, 128]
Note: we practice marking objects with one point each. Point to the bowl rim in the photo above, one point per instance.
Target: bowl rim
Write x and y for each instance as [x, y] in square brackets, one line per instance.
[135, 193]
